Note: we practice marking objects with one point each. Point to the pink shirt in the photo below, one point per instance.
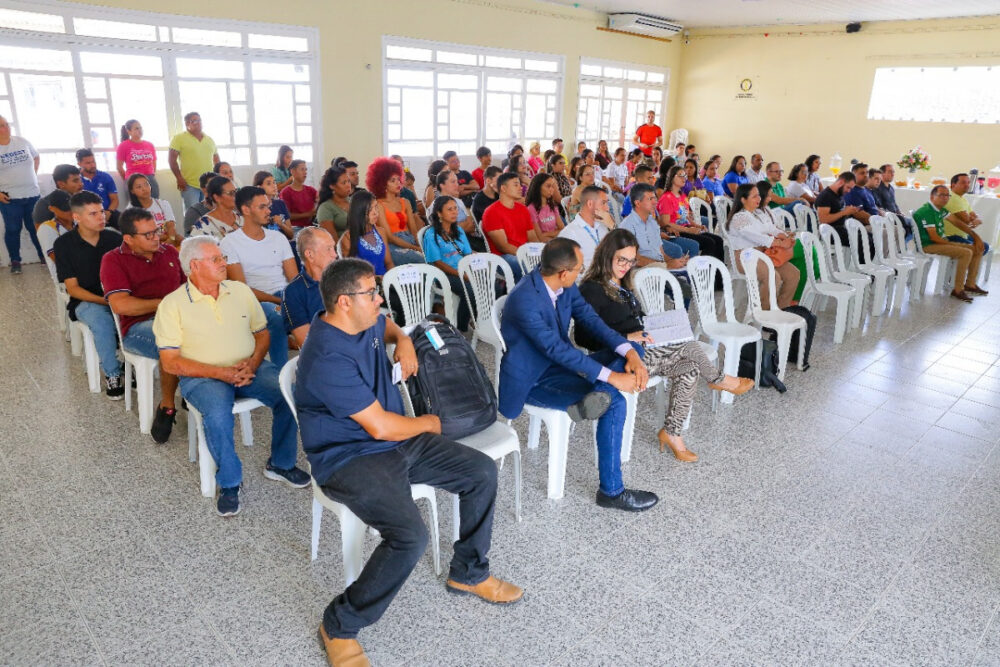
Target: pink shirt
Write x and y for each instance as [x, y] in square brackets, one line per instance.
[299, 201]
[139, 157]
[545, 218]
[676, 207]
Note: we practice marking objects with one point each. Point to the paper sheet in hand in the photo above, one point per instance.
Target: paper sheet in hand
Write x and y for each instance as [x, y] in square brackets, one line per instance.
[669, 328]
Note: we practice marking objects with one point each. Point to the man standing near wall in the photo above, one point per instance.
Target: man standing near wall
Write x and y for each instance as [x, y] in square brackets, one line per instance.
[196, 153]
[648, 135]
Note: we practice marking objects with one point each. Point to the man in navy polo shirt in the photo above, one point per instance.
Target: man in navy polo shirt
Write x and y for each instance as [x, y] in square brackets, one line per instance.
[860, 195]
[301, 300]
[100, 183]
[136, 276]
[366, 454]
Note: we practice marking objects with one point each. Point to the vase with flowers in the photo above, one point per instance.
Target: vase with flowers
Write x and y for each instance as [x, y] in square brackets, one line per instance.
[912, 160]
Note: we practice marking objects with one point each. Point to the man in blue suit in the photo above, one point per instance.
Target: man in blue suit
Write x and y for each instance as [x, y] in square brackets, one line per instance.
[543, 368]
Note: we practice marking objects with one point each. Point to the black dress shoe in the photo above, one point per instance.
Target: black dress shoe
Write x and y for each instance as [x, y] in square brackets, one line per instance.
[630, 500]
[591, 406]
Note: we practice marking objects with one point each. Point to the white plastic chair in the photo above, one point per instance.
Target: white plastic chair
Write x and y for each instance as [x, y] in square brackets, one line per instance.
[884, 234]
[921, 262]
[825, 286]
[882, 275]
[842, 272]
[91, 361]
[734, 268]
[783, 323]
[730, 333]
[785, 219]
[415, 285]
[480, 272]
[806, 219]
[198, 445]
[352, 529]
[944, 279]
[699, 210]
[451, 314]
[529, 256]
[144, 371]
[722, 207]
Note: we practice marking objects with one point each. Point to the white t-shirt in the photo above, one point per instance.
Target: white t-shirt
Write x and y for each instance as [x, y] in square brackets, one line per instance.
[588, 237]
[48, 232]
[755, 176]
[161, 211]
[17, 169]
[618, 173]
[796, 189]
[261, 260]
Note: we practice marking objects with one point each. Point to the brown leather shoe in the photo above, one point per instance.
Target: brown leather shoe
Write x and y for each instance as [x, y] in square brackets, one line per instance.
[343, 652]
[961, 296]
[685, 455]
[493, 590]
[976, 290]
[743, 386]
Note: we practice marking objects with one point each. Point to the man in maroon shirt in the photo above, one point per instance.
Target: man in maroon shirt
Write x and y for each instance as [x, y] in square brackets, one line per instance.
[507, 223]
[135, 277]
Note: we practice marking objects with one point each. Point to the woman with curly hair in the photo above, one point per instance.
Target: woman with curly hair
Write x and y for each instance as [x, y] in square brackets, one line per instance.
[385, 180]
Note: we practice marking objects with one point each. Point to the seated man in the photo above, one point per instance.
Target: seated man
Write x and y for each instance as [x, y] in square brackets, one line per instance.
[755, 171]
[366, 454]
[507, 222]
[860, 196]
[301, 300]
[543, 368]
[467, 185]
[778, 195]
[136, 276]
[212, 333]
[591, 224]
[201, 208]
[67, 178]
[930, 219]
[263, 259]
[830, 208]
[885, 197]
[100, 183]
[643, 224]
[489, 194]
[50, 230]
[78, 266]
[959, 226]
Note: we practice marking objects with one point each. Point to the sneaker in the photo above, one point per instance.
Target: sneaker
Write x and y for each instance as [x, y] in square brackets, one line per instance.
[163, 423]
[292, 477]
[116, 387]
[15, 268]
[229, 501]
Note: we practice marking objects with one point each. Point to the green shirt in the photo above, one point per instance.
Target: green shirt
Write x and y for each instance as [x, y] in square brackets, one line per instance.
[330, 211]
[195, 156]
[280, 174]
[926, 217]
[779, 190]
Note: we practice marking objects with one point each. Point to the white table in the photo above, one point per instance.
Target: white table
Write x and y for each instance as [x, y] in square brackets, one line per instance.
[986, 206]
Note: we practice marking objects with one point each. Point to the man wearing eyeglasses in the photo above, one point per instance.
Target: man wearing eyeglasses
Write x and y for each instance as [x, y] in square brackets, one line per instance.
[212, 333]
[136, 276]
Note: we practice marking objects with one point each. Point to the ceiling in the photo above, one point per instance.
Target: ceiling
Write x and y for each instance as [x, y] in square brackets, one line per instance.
[730, 13]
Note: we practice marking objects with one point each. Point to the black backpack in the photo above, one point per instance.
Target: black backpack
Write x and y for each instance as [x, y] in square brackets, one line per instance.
[768, 368]
[450, 382]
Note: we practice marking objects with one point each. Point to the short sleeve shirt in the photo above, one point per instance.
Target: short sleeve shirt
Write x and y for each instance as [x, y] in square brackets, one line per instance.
[480, 203]
[956, 203]
[75, 258]
[731, 178]
[676, 207]
[546, 217]
[779, 190]
[161, 211]
[829, 198]
[139, 157]
[928, 217]
[339, 375]
[647, 233]
[438, 249]
[122, 271]
[515, 222]
[195, 156]
[299, 201]
[862, 197]
[17, 169]
[714, 185]
[330, 211]
[648, 134]
[101, 185]
[261, 260]
[300, 301]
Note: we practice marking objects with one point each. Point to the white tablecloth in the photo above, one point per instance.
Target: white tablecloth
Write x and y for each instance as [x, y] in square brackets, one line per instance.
[986, 206]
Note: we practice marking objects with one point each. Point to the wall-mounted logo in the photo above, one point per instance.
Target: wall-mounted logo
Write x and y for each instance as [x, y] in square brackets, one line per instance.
[746, 90]
[746, 85]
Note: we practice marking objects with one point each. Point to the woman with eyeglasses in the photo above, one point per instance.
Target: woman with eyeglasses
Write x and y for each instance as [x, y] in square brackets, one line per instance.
[140, 195]
[607, 287]
[676, 218]
[222, 218]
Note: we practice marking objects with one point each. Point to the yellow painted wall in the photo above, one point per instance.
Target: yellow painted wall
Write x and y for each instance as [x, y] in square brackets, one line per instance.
[812, 88]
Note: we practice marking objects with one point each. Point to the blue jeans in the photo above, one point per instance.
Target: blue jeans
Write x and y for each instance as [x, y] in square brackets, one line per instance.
[958, 238]
[514, 267]
[278, 349]
[401, 255]
[191, 196]
[154, 187]
[559, 388]
[16, 214]
[686, 246]
[140, 340]
[214, 400]
[98, 319]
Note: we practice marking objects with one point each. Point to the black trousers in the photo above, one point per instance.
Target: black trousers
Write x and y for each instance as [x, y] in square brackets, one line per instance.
[708, 244]
[376, 488]
[845, 240]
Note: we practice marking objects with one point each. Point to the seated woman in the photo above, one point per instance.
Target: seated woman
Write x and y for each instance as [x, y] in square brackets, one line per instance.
[518, 165]
[445, 244]
[735, 176]
[694, 186]
[798, 259]
[385, 180]
[813, 180]
[222, 217]
[363, 237]
[797, 184]
[607, 287]
[140, 195]
[334, 201]
[226, 169]
[535, 162]
[279, 212]
[557, 167]
[584, 179]
[747, 229]
[661, 184]
[546, 210]
[603, 155]
[675, 217]
[430, 192]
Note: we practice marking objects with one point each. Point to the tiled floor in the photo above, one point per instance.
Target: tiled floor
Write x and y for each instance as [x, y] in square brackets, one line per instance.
[852, 520]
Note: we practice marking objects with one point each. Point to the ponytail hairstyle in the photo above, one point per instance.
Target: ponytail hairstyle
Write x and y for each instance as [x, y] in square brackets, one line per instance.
[126, 127]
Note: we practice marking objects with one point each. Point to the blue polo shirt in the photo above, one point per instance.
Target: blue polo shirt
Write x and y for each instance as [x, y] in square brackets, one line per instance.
[863, 197]
[340, 375]
[101, 185]
[301, 301]
[733, 177]
[714, 185]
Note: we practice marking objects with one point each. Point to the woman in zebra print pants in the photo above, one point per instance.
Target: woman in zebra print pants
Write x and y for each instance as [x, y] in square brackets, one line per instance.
[607, 287]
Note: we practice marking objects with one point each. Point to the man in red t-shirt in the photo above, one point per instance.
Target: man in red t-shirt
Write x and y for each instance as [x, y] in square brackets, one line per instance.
[507, 223]
[648, 135]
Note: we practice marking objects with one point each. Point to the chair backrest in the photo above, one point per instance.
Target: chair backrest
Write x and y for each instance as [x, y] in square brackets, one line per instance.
[565, 202]
[420, 236]
[784, 219]
[286, 382]
[414, 285]
[702, 271]
[118, 324]
[529, 256]
[885, 248]
[720, 229]
[857, 236]
[806, 219]
[722, 207]
[700, 209]
[813, 249]
[751, 257]
[496, 315]
[828, 236]
[480, 272]
[917, 241]
[897, 232]
[651, 284]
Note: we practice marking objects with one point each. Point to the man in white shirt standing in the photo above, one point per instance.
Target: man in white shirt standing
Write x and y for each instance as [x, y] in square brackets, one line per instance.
[617, 174]
[591, 224]
[755, 172]
[263, 259]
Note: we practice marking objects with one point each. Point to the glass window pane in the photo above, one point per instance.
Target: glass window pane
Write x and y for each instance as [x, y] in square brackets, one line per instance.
[3, 84]
[277, 42]
[302, 94]
[503, 84]
[540, 85]
[207, 37]
[590, 90]
[305, 134]
[393, 113]
[655, 77]
[414, 148]
[409, 77]
[235, 156]
[418, 114]
[114, 29]
[407, 53]
[303, 113]
[274, 120]
[18, 20]
[102, 137]
[94, 88]
[5, 111]
[459, 81]
[590, 70]
[209, 68]
[499, 118]
[305, 152]
[541, 65]
[146, 102]
[208, 98]
[394, 96]
[500, 61]
[635, 75]
[442, 114]
[98, 112]
[395, 132]
[238, 91]
[21, 57]
[121, 63]
[534, 115]
[47, 110]
[464, 113]
[636, 94]
[614, 72]
[241, 134]
[239, 112]
[456, 58]
[280, 71]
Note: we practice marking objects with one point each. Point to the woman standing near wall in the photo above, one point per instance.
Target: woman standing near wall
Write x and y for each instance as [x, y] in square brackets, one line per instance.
[136, 156]
[18, 192]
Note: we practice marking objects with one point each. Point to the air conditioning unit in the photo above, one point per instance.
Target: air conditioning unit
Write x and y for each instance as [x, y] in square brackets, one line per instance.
[643, 24]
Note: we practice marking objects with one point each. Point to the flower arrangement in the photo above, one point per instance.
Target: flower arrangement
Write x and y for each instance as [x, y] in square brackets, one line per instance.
[916, 158]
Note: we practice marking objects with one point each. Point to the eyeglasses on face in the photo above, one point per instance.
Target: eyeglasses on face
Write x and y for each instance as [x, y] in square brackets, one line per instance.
[150, 235]
[372, 293]
[217, 259]
[626, 261]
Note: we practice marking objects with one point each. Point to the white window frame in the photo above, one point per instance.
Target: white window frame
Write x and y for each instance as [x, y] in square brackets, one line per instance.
[168, 51]
[976, 100]
[626, 126]
[481, 71]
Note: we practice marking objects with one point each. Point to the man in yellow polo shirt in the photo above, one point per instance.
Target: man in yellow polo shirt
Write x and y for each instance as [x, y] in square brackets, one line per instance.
[962, 220]
[212, 334]
[197, 154]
